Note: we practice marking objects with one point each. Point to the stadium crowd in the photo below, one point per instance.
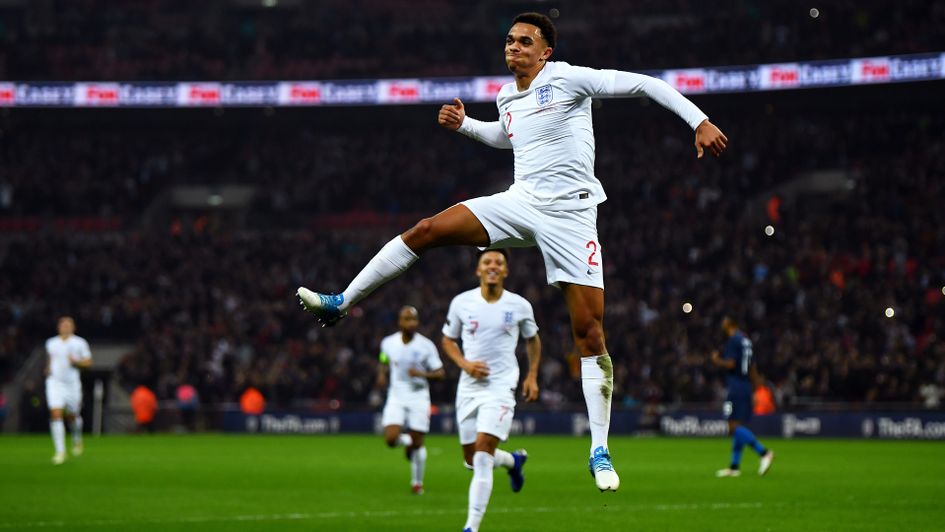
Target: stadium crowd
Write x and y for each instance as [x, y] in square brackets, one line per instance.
[287, 39]
[212, 305]
[116, 168]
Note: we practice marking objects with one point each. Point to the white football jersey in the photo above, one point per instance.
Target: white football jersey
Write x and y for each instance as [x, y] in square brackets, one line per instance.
[490, 332]
[552, 135]
[550, 130]
[60, 351]
[419, 353]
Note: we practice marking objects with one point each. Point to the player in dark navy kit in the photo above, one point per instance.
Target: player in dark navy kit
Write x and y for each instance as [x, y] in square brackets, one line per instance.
[740, 373]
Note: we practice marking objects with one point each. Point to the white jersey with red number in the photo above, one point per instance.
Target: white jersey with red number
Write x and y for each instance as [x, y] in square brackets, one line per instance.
[490, 332]
[549, 128]
[552, 135]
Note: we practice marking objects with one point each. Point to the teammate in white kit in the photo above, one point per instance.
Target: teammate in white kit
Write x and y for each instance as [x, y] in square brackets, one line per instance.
[412, 359]
[489, 320]
[544, 116]
[68, 354]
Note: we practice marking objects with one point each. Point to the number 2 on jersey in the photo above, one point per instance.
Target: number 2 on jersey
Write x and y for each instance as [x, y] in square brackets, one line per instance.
[508, 123]
[591, 245]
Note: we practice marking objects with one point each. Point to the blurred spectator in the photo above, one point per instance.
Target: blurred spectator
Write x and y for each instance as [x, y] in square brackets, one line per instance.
[763, 400]
[144, 404]
[252, 402]
[188, 401]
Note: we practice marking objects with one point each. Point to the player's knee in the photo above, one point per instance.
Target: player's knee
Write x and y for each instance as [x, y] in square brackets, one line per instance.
[589, 335]
[485, 446]
[390, 441]
[420, 235]
[468, 452]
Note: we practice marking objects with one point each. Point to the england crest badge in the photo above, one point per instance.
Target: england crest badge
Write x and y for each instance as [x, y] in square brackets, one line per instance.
[544, 95]
[509, 322]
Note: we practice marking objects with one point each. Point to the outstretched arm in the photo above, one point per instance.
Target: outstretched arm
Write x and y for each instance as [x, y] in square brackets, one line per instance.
[708, 137]
[453, 117]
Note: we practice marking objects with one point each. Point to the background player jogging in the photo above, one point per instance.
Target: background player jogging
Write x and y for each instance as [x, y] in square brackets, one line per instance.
[737, 360]
[412, 358]
[68, 353]
[544, 116]
[488, 320]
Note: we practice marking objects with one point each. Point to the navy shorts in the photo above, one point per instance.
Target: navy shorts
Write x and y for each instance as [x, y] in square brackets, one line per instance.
[737, 408]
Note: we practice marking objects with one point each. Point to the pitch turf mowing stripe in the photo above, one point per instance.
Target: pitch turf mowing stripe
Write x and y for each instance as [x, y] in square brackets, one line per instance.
[720, 506]
[386, 513]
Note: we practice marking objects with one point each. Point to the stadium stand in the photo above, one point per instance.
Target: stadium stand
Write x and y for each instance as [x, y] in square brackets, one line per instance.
[206, 294]
[173, 39]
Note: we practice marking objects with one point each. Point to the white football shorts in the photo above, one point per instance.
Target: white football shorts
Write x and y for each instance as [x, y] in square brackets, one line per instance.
[486, 412]
[567, 239]
[62, 395]
[414, 415]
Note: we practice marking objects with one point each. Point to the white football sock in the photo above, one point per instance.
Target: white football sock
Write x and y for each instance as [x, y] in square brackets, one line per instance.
[58, 430]
[404, 440]
[504, 459]
[77, 431]
[597, 379]
[480, 489]
[392, 260]
[418, 462]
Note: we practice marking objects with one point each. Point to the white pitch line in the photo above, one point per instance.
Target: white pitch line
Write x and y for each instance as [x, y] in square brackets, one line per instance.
[378, 513]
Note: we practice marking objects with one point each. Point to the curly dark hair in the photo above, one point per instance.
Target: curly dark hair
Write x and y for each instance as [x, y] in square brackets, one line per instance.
[543, 23]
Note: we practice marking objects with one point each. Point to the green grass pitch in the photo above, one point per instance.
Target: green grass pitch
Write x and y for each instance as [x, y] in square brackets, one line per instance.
[352, 483]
